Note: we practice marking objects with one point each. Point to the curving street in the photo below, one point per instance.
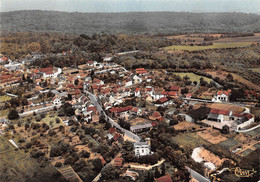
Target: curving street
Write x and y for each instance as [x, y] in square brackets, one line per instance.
[111, 121]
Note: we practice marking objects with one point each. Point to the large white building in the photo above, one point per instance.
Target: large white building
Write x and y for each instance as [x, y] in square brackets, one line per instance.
[143, 148]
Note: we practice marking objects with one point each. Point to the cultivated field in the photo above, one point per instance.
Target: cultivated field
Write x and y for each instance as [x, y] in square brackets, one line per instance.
[245, 82]
[255, 70]
[214, 46]
[189, 140]
[193, 77]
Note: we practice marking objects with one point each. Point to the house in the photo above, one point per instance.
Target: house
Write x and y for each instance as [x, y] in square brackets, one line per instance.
[149, 90]
[111, 133]
[127, 92]
[143, 148]
[219, 115]
[137, 79]
[141, 127]
[131, 174]
[107, 59]
[164, 101]
[49, 72]
[137, 92]
[141, 71]
[136, 111]
[128, 83]
[221, 96]
[56, 100]
[157, 94]
[165, 178]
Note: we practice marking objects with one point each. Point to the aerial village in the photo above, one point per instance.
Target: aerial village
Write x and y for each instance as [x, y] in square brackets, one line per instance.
[100, 121]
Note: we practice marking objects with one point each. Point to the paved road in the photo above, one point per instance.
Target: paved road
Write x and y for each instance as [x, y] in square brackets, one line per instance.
[197, 176]
[111, 121]
[250, 129]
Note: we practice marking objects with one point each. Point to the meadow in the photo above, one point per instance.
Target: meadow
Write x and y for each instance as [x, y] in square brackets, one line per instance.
[4, 98]
[193, 77]
[214, 46]
[255, 70]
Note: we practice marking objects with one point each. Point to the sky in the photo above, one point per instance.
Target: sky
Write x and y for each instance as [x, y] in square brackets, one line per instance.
[246, 6]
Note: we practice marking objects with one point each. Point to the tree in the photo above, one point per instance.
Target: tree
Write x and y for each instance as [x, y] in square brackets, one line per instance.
[109, 172]
[97, 164]
[225, 129]
[185, 90]
[58, 164]
[163, 169]
[13, 114]
[157, 173]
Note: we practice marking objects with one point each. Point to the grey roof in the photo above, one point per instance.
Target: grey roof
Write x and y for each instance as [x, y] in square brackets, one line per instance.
[140, 144]
[135, 127]
[214, 116]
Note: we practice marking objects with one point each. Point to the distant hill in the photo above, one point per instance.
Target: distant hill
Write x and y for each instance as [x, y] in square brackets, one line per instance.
[134, 22]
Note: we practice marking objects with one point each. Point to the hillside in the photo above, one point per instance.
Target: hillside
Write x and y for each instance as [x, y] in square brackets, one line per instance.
[135, 22]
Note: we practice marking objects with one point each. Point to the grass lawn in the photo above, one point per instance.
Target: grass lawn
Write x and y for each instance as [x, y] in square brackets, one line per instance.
[214, 46]
[190, 140]
[193, 77]
[4, 98]
[52, 118]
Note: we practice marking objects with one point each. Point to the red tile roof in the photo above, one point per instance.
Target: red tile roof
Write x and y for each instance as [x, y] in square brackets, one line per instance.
[166, 178]
[91, 108]
[135, 109]
[46, 69]
[224, 92]
[121, 109]
[111, 130]
[160, 119]
[174, 88]
[49, 72]
[219, 111]
[139, 69]
[162, 100]
[156, 114]
[137, 89]
[116, 136]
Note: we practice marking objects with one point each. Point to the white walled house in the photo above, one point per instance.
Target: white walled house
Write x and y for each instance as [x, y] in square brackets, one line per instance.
[142, 148]
[137, 79]
[157, 95]
[221, 96]
[51, 73]
[129, 83]
[56, 100]
[137, 92]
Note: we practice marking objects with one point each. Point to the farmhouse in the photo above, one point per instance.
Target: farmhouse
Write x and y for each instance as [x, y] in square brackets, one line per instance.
[221, 96]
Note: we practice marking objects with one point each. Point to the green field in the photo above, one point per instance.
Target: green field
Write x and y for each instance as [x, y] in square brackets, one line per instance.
[193, 77]
[214, 46]
[255, 70]
[4, 98]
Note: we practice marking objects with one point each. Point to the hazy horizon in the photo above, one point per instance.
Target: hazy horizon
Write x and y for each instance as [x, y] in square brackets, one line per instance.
[114, 6]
